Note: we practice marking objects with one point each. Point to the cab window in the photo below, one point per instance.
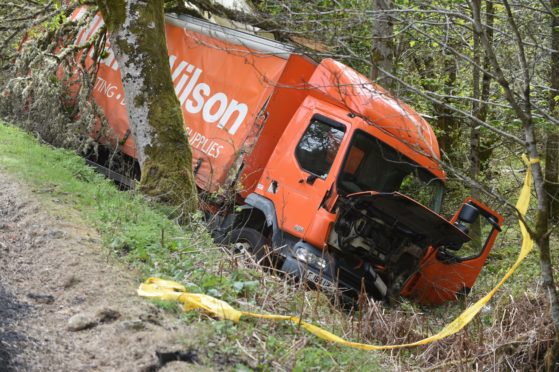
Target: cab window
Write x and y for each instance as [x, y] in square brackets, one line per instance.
[479, 231]
[318, 146]
[372, 165]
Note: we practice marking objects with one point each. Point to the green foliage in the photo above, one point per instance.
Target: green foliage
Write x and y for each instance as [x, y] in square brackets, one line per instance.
[169, 306]
[130, 225]
[315, 358]
[55, 23]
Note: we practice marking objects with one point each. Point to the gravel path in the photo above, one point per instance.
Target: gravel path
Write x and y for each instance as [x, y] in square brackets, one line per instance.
[65, 305]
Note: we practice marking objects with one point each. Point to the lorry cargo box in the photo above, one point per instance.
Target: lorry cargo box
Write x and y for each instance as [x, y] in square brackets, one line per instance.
[223, 79]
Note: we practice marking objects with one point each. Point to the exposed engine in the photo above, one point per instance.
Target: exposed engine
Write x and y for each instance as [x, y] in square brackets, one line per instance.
[390, 250]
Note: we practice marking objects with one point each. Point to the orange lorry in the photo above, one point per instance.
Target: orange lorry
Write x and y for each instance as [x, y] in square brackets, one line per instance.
[335, 180]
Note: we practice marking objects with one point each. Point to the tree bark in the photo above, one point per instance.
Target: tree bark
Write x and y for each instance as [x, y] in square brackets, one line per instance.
[481, 86]
[476, 108]
[552, 142]
[137, 35]
[523, 110]
[551, 189]
[382, 50]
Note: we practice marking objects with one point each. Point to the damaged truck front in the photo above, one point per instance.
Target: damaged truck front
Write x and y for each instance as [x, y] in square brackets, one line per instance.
[327, 175]
[356, 187]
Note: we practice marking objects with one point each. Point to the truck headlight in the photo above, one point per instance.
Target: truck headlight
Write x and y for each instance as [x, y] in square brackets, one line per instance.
[305, 256]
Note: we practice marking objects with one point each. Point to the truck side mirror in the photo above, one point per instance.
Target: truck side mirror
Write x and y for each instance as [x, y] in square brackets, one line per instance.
[468, 214]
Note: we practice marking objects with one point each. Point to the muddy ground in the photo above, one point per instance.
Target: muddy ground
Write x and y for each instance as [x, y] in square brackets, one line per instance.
[66, 305]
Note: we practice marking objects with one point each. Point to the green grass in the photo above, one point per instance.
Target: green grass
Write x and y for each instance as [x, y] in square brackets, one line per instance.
[140, 233]
[128, 224]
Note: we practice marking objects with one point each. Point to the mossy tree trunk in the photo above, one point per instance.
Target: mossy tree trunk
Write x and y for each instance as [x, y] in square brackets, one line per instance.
[137, 35]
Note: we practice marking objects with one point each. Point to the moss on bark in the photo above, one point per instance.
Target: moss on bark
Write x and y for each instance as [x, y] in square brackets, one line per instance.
[166, 159]
[114, 12]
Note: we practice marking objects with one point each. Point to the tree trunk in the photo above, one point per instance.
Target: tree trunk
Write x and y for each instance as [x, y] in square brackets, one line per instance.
[382, 51]
[487, 142]
[476, 111]
[446, 120]
[480, 153]
[523, 110]
[475, 138]
[552, 143]
[137, 35]
[551, 189]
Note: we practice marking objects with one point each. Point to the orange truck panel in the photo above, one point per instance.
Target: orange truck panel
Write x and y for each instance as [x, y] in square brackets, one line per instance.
[292, 190]
[438, 281]
[221, 87]
[291, 89]
[379, 109]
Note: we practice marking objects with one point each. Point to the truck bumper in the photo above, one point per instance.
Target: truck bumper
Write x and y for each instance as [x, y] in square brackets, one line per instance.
[326, 272]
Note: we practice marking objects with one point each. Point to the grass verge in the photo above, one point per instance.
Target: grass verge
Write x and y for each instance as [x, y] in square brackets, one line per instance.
[140, 233]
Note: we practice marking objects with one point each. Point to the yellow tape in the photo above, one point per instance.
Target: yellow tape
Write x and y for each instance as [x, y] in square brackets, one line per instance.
[169, 290]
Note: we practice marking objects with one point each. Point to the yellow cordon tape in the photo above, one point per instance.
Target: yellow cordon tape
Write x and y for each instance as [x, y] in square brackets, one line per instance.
[169, 290]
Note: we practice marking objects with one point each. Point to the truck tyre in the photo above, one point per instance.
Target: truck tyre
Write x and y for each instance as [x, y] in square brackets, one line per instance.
[294, 270]
[393, 294]
[254, 242]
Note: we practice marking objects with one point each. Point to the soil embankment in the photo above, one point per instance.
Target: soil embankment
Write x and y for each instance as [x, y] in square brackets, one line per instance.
[65, 304]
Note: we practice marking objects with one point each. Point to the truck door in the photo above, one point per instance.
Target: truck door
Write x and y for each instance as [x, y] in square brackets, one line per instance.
[302, 169]
[447, 272]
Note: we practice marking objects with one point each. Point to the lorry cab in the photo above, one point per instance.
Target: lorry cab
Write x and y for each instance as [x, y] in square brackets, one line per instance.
[358, 202]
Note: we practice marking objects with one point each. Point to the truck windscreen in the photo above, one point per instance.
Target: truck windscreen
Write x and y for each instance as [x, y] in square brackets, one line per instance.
[371, 165]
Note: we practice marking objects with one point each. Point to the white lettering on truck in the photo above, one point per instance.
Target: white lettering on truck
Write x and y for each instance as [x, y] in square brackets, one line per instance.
[197, 97]
[194, 96]
[109, 90]
[204, 144]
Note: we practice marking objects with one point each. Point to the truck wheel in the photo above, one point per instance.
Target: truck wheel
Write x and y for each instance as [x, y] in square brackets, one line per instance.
[293, 269]
[254, 242]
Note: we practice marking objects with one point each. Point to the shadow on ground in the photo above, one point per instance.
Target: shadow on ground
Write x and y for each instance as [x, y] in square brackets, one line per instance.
[11, 342]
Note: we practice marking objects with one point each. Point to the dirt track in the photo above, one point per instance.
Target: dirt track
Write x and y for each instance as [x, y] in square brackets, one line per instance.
[55, 277]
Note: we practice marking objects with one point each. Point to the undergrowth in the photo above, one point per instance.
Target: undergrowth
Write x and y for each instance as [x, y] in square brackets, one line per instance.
[512, 331]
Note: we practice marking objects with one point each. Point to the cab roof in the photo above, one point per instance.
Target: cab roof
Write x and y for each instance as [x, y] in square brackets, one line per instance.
[382, 115]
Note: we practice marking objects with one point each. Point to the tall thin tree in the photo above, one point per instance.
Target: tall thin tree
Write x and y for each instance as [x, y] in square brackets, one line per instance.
[382, 51]
[552, 142]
